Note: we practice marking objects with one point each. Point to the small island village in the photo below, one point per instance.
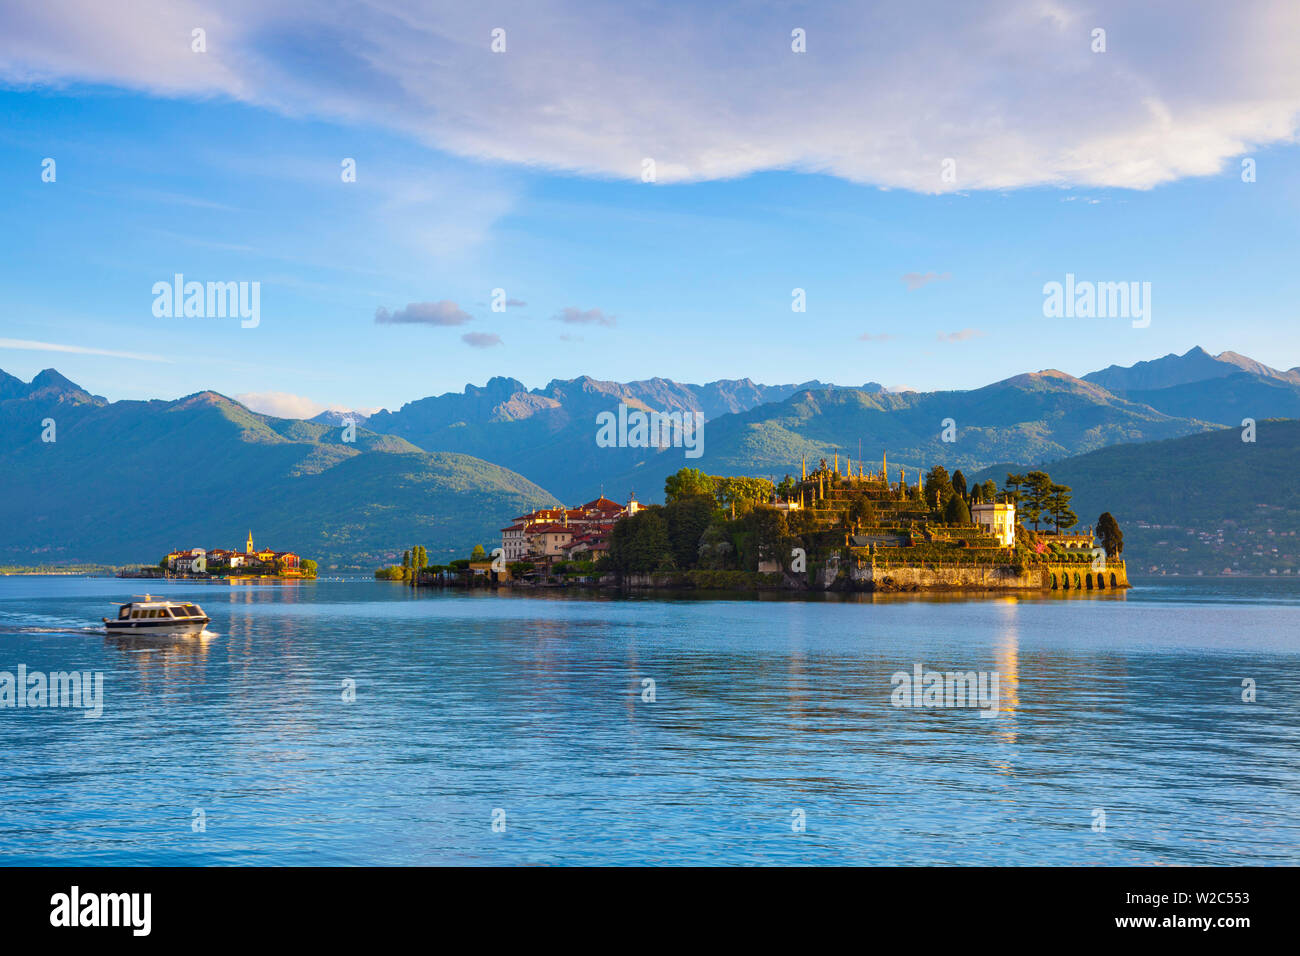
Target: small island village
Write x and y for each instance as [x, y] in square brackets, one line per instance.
[252, 562]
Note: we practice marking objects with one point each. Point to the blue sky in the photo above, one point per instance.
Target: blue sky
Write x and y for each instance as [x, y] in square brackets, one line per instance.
[689, 277]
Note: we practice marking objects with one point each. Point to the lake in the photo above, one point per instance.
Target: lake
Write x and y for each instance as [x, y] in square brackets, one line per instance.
[524, 728]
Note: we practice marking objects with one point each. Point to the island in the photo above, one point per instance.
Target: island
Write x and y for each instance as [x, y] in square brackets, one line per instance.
[252, 562]
[839, 526]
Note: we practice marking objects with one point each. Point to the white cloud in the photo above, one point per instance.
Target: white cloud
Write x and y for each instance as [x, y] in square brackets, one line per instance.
[442, 312]
[575, 316]
[916, 280]
[961, 336]
[1009, 89]
[287, 405]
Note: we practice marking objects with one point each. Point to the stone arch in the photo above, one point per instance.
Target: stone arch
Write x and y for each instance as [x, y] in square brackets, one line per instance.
[1077, 585]
[1054, 584]
[1087, 579]
[1101, 582]
[1113, 582]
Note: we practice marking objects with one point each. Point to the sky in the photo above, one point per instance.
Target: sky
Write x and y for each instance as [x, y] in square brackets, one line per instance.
[646, 185]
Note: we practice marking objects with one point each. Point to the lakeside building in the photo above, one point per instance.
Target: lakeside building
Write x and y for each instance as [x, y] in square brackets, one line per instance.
[999, 518]
[555, 534]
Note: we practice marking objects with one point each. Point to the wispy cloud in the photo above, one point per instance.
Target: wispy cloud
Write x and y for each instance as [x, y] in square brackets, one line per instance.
[444, 312]
[481, 340]
[32, 346]
[916, 280]
[875, 337]
[961, 336]
[584, 317]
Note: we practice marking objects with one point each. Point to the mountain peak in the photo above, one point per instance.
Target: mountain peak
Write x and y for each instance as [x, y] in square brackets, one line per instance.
[51, 378]
[1194, 365]
[47, 384]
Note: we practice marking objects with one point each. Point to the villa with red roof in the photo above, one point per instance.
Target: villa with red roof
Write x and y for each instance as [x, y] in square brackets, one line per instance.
[550, 534]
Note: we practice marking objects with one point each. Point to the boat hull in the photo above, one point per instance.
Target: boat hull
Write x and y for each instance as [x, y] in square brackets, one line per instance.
[155, 626]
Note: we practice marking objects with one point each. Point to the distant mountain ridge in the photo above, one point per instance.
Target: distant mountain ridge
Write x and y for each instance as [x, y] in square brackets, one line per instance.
[1038, 416]
[550, 432]
[452, 469]
[508, 399]
[1194, 365]
[128, 481]
[1200, 503]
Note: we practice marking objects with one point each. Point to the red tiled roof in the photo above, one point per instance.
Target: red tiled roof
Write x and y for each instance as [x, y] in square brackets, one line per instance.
[550, 529]
[602, 504]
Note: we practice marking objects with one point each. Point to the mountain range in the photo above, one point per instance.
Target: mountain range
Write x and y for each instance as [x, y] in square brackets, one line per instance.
[130, 480]
[1201, 503]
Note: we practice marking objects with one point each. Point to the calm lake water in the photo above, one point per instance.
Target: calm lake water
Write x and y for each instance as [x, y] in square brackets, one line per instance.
[764, 710]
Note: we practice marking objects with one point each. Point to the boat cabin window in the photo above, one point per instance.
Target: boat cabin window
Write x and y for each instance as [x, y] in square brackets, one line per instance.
[193, 610]
[123, 613]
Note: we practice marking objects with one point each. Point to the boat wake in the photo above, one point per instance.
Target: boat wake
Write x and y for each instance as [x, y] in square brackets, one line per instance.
[11, 630]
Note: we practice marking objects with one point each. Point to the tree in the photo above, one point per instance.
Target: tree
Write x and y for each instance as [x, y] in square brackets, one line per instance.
[1057, 505]
[955, 511]
[862, 511]
[767, 532]
[989, 490]
[715, 549]
[937, 483]
[1012, 487]
[419, 561]
[959, 483]
[478, 554]
[687, 518]
[1038, 489]
[786, 488]
[1112, 539]
[309, 567]
[639, 542]
[739, 491]
[687, 483]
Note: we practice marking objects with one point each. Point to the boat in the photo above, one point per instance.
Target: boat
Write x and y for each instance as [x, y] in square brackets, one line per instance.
[156, 616]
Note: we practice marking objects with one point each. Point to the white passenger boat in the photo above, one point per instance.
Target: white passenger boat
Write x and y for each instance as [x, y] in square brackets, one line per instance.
[153, 616]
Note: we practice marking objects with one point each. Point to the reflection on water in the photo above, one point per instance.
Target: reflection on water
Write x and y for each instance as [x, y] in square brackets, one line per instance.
[163, 652]
[537, 704]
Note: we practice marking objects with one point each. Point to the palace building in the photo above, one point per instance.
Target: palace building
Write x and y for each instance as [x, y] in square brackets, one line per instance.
[550, 534]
